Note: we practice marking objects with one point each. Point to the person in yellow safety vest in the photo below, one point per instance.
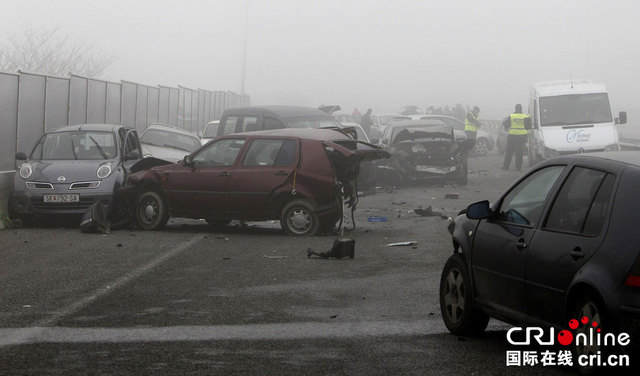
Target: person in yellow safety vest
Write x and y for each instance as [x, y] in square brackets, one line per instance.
[471, 124]
[517, 125]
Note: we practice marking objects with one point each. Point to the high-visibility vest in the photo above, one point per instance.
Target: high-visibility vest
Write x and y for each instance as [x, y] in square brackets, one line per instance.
[517, 124]
[468, 126]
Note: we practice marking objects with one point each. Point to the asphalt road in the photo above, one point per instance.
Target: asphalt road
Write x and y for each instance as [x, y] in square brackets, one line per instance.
[246, 299]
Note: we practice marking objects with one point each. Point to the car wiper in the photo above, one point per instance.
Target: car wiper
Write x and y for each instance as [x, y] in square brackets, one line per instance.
[554, 123]
[104, 155]
[73, 148]
[580, 122]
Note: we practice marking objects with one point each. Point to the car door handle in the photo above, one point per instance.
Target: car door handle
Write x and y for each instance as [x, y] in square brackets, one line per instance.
[282, 173]
[577, 254]
[521, 244]
[225, 173]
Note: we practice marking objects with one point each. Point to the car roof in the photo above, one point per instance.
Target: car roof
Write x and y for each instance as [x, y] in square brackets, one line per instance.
[626, 157]
[277, 111]
[168, 127]
[325, 134]
[91, 127]
[415, 123]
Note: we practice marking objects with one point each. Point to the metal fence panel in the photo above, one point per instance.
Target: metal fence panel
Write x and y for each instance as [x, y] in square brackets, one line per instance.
[77, 100]
[57, 103]
[153, 94]
[129, 95]
[96, 102]
[141, 109]
[163, 104]
[174, 105]
[30, 111]
[8, 120]
[195, 111]
[113, 103]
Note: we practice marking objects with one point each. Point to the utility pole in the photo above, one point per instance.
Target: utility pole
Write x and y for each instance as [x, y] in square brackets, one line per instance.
[244, 57]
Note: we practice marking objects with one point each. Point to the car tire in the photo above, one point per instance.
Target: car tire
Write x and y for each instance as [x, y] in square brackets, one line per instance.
[151, 211]
[587, 306]
[482, 147]
[457, 304]
[218, 222]
[299, 218]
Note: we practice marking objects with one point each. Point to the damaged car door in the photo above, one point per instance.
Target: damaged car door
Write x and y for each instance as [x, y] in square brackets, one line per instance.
[265, 169]
[201, 180]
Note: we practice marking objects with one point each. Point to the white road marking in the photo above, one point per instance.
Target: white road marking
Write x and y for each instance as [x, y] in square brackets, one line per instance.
[20, 335]
[285, 331]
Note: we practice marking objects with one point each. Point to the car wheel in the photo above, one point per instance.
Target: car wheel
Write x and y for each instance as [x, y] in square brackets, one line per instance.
[151, 211]
[481, 147]
[589, 308]
[298, 218]
[457, 300]
[217, 222]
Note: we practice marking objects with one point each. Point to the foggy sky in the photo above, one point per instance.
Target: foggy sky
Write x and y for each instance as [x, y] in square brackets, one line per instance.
[364, 53]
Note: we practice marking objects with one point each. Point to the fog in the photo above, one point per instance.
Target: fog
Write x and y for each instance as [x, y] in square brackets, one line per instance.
[357, 53]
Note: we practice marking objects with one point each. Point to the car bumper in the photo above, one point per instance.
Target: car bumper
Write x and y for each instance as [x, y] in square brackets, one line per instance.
[28, 203]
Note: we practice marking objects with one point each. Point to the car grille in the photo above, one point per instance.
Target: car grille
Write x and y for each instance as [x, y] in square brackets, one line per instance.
[83, 204]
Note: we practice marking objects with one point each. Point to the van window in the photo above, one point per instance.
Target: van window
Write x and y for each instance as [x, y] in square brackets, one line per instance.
[575, 109]
[270, 123]
[229, 125]
[249, 124]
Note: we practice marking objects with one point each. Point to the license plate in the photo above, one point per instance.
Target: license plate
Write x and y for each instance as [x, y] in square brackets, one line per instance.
[62, 198]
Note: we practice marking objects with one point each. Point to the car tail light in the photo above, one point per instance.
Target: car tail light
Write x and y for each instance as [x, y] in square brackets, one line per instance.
[633, 279]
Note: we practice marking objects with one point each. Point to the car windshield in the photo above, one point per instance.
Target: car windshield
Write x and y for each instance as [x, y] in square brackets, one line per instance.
[76, 145]
[174, 140]
[313, 122]
[575, 109]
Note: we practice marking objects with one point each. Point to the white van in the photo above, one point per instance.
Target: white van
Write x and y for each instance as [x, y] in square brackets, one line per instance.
[572, 116]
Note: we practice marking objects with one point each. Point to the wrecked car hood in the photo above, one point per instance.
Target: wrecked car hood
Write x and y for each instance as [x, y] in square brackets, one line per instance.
[426, 133]
[147, 163]
[363, 150]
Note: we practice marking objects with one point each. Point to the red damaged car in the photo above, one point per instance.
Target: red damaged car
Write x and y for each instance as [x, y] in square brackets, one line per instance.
[294, 175]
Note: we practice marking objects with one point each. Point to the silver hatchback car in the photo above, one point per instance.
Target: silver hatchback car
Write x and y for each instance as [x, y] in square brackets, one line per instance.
[71, 168]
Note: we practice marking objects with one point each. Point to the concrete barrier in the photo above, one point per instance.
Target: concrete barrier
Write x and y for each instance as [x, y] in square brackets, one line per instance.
[6, 184]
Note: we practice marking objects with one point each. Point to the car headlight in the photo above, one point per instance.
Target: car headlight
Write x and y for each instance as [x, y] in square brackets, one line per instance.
[614, 147]
[25, 170]
[104, 170]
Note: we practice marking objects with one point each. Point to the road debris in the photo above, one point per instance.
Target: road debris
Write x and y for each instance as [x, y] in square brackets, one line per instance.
[342, 247]
[452, 196]
[274, 257]
[373, 218]
[402, 244]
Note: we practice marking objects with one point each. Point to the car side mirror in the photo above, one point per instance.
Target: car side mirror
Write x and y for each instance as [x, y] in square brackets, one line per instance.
[188, 161]
[622, 118]
[479, 210]
[132, 155]
[20, 156]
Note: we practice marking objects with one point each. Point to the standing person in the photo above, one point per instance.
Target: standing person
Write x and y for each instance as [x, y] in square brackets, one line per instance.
[517, 124]
[356, 114]
[366, 122]
[471, 124]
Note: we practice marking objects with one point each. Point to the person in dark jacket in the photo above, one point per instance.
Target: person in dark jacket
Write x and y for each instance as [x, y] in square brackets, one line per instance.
[366, 122]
